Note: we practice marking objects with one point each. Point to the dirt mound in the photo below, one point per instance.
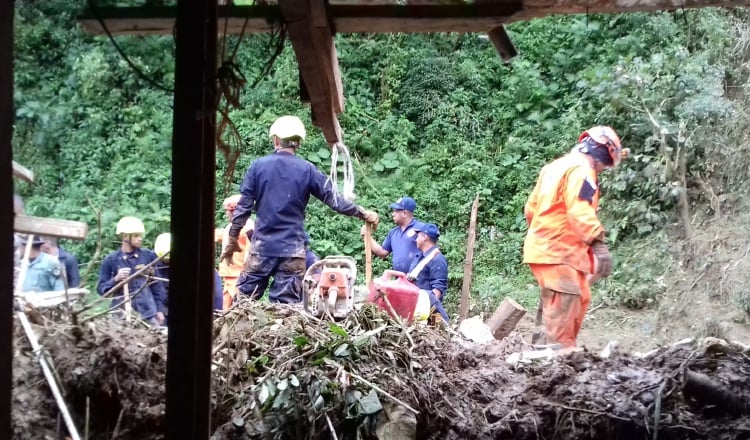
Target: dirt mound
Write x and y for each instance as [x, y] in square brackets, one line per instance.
[279, 374]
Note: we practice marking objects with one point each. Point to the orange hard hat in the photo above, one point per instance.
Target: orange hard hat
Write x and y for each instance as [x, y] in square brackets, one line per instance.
[231, 202]
[606, 137]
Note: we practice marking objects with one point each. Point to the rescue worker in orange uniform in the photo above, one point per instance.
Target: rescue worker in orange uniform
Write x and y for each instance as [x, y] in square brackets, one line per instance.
[230, 273]
[565, 244]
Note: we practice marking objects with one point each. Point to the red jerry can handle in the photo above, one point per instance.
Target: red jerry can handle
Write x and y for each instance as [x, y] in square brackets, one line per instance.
[394, 273]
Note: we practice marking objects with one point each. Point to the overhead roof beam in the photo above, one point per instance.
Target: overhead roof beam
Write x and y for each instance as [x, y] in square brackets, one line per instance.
[346, 18]
[478, 16]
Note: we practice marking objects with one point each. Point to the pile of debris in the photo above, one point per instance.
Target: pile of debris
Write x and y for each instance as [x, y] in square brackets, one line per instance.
[279, 373]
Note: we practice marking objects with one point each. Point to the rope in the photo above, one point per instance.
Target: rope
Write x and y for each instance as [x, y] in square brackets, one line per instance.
[348, 187]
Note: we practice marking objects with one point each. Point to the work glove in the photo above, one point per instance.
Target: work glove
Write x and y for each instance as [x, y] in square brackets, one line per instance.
[369, 216]
[603, 258]
[231, 247]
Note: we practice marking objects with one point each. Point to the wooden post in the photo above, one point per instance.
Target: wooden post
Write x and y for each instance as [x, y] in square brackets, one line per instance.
[193, 206]
[6, 215]
[505, 318]
[469, 261]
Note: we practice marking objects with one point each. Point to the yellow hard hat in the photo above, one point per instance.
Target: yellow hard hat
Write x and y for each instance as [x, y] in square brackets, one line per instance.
[287, 128]
[163, 244]
[130, 225]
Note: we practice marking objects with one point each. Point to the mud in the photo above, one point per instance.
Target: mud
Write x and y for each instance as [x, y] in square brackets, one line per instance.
[460, 391]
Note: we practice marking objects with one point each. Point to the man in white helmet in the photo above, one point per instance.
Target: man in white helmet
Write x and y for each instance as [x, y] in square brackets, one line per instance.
[150, 301]
[277, 187]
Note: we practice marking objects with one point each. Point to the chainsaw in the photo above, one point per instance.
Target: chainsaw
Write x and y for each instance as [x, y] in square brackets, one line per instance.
[328, 287]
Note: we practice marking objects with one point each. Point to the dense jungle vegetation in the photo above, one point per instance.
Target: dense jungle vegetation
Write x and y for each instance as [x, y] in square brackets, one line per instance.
[438, 117]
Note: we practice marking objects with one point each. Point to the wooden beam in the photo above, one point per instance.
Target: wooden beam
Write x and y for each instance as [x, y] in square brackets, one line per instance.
[22, 172]
[26, 224]
[502, 43]
[6, 216]
[312, 40]
[478, 16]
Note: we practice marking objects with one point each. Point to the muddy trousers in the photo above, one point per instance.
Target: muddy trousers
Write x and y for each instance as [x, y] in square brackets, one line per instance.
[287, 273]
[561, 312]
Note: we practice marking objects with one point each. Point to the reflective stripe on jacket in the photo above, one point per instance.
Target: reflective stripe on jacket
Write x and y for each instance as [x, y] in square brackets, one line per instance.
[561, 214]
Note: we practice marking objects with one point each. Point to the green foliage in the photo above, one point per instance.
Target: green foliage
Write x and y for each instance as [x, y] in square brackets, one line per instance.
[437, 117]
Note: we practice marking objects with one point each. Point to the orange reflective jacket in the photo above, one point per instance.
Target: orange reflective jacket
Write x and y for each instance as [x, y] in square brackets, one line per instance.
[561, 214]
[238, 259]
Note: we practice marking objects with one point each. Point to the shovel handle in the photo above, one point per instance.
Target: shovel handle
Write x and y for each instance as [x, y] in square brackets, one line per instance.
[126, 301]
[368, 255]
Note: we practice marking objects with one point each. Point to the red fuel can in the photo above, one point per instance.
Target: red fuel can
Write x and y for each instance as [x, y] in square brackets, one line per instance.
[401, 293]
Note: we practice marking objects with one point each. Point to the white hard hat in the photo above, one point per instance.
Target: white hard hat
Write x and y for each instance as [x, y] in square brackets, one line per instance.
[163, 244]
[130, 225]
[288, 127]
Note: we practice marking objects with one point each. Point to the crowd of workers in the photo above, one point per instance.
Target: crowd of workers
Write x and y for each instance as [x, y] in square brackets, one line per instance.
[564, 247]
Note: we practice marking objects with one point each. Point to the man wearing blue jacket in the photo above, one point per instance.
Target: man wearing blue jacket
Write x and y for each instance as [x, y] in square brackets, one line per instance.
[429, 269]
[401, 240]
[277, 187]
[150, 301]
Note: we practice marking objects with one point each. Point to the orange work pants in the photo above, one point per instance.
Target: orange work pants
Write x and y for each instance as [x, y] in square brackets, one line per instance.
[230, 290]
[565, 297]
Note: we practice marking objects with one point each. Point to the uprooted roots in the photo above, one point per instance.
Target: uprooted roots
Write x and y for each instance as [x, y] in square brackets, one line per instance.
[280, 374]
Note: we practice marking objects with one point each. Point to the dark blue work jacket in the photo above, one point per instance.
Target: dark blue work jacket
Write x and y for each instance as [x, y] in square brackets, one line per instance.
[153, 298]
[434, 275]
[277, 188]
[71, 267]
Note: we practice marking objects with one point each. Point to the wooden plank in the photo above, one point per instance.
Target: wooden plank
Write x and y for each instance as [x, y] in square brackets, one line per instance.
[323, 39]
[50, 226]
[312, 48]
[22, 172]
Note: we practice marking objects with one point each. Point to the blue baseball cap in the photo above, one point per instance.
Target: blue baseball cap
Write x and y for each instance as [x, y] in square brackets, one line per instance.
[405, 203]
[430, 229]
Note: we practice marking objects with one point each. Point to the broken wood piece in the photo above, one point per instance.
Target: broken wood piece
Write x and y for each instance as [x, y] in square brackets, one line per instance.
[708, 391]
[22, 172]
[50, 226]
[505, 318]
